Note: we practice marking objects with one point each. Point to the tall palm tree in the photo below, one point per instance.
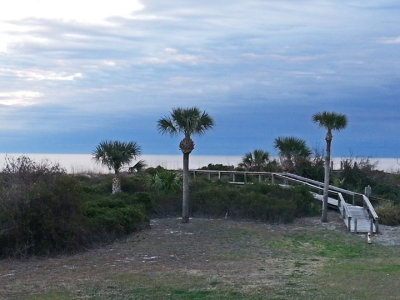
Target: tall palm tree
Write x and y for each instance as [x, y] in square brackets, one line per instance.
[255, 161]
[291, 151]
[330, 121]
[188, 121]
[114, 155]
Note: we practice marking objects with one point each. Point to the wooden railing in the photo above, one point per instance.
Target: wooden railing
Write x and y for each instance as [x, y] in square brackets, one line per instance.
[371, 212]
[286, 177]
[344, 210]
[373, 216]
[343, 206]
[233, 175]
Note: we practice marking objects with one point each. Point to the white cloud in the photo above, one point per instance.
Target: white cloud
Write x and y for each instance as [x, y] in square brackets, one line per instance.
[45, 75]
[391, 40]
[37, 74]
[297, 58]
[19, 98]
[87, 11]
[14, 28]
[108, 63]
[171, 55]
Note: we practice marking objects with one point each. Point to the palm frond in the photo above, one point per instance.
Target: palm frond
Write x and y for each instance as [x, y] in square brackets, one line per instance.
[291, 146]
[330, 120]
[188, 121]
[115, 154]
[166, 125]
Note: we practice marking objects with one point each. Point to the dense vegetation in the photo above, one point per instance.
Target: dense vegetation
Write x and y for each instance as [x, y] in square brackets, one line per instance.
[46, 211]
[43, 210]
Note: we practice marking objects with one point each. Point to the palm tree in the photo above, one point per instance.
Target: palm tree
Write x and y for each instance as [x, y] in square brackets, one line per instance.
[114, 155]
[291, 151]
[330, 121]
[255, 161]
[188, 121]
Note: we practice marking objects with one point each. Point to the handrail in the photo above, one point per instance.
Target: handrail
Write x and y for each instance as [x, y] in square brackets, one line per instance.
[340, 196]
[345, 206]
[299, 181]
[331, 187]
[231, 172]
[371, 209]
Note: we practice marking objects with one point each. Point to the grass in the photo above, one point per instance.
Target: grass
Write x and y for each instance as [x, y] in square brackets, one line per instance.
[216, 259]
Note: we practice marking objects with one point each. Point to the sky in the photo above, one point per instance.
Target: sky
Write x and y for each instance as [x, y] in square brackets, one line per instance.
[75, 73]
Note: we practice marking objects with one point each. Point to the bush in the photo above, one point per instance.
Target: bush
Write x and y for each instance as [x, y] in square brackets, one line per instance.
[133, 183]
[39, 209]
[44, 211]
[389, 214]
[263, 202]
[112, 216]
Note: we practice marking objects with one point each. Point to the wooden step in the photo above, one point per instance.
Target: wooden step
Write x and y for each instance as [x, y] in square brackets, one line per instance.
[360, 222]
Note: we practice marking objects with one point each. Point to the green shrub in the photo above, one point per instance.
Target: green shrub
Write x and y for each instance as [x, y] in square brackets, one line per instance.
[389, 214]
[164, 181]
[112, 217]
[45, 211]
[45, 220]
[264, 202]
[133, 183]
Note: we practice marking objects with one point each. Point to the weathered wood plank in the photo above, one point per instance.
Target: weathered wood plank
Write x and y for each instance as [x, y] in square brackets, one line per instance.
[331, 201]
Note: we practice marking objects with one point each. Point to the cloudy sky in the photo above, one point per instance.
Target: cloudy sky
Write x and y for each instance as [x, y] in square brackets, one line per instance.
[73, 73]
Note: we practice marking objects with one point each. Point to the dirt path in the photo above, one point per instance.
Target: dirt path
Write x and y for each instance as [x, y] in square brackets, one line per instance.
[230, 251]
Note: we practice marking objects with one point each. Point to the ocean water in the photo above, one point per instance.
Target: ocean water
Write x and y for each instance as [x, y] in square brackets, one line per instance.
[83, 163]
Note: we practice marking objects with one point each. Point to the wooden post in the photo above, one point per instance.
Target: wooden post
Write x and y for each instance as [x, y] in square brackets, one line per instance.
[349, 223]
[272, 179]
[355, 225]
[371, 226]
[245, 178]
[233, 177]
[259, 177]
[219, 175]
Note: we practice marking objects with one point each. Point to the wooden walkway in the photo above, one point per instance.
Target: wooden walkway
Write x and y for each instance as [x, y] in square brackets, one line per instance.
[356, 210]
[358, 219]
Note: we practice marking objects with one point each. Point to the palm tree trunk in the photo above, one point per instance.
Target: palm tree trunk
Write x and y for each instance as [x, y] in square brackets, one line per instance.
[116, 184]
[324, 217]
[185, 198]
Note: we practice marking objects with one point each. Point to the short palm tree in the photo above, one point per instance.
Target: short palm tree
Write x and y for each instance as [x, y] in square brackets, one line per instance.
[188, 121]
[291, 150]
[330, 121]
[255, 161]
[114, 155]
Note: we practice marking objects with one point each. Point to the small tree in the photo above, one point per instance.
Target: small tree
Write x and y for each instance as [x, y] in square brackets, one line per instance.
[255, 161]
[114, 155]
[330, 121]
[188, 121]
[291, 151]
